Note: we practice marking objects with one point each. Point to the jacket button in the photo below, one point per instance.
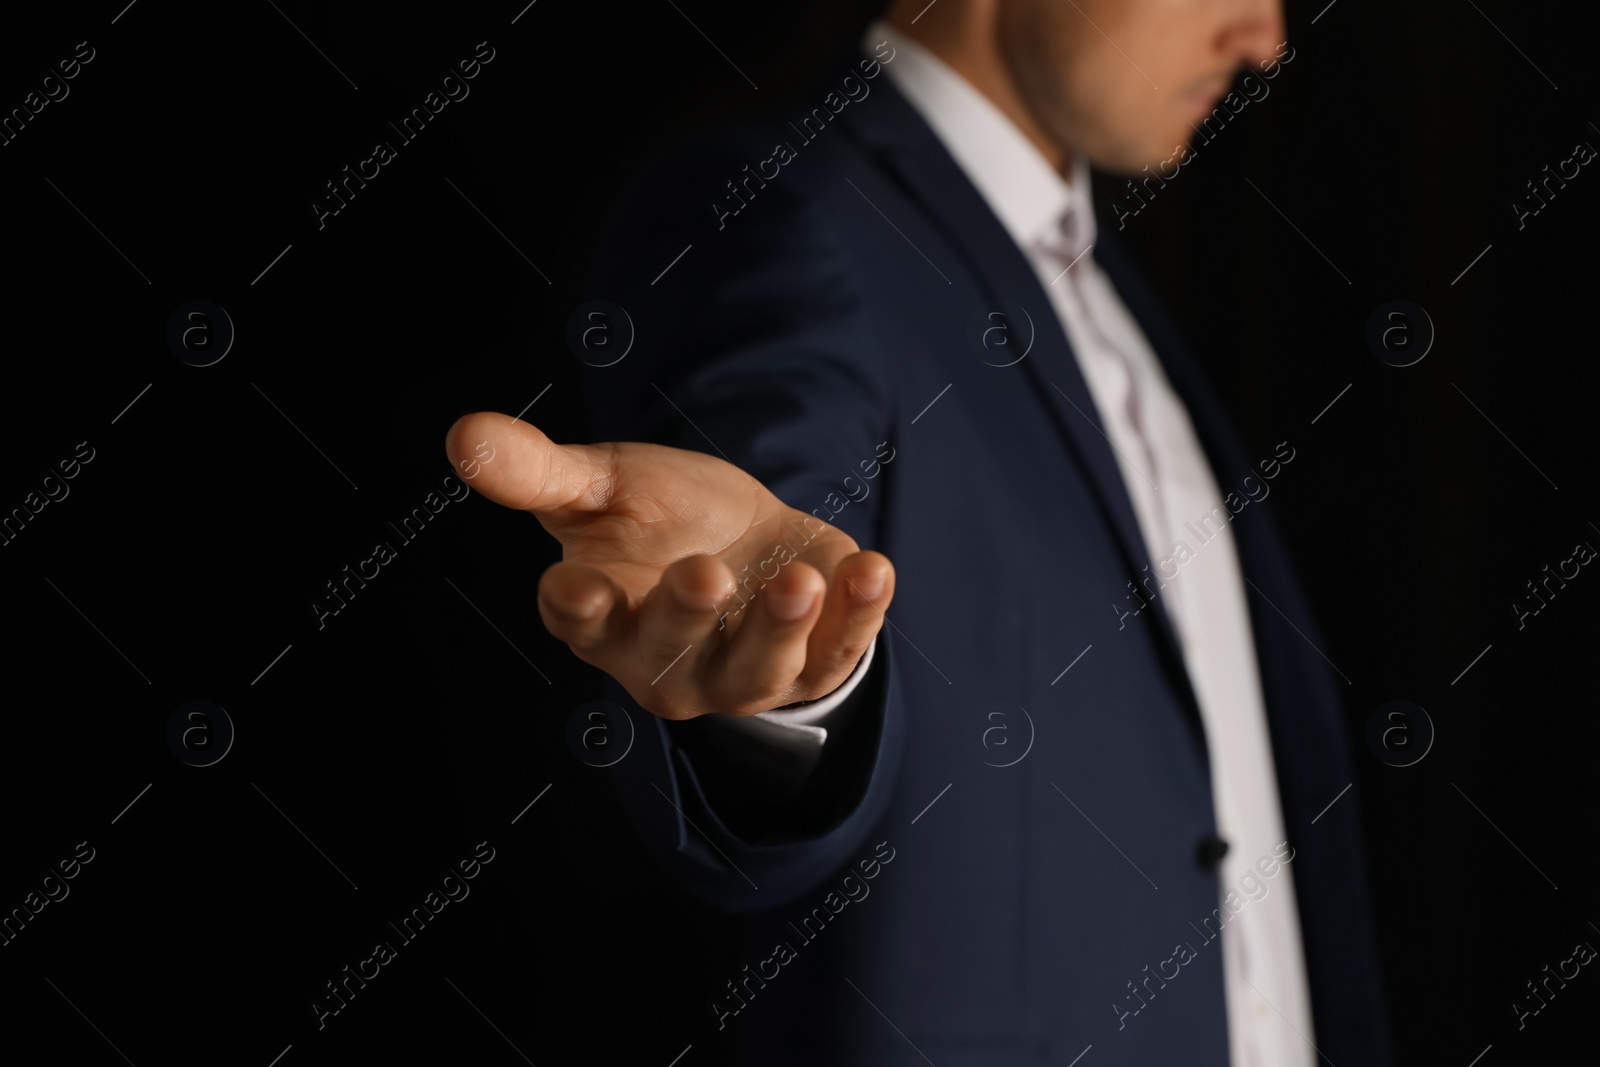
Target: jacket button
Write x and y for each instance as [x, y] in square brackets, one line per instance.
[1212, 849]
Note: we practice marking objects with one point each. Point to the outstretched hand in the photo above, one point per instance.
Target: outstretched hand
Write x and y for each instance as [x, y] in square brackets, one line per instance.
[682, 576]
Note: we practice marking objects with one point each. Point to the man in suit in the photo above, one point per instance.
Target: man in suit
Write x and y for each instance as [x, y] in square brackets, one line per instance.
[1010, 826]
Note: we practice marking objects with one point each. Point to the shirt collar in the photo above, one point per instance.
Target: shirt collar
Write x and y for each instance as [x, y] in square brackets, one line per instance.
[1024, 191]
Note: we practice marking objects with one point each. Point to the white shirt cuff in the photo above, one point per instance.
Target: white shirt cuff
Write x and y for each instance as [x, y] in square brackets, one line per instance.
[800, 728]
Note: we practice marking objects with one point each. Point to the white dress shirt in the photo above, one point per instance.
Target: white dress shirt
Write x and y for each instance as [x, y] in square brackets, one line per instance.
[1170, 484]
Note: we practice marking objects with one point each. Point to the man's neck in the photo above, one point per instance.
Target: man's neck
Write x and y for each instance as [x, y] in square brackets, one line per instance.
[965, 40]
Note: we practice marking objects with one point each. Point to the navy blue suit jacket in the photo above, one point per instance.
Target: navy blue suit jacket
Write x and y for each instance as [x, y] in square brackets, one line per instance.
[794, 337]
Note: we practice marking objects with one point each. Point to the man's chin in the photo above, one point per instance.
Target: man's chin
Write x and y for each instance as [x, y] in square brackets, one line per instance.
[1148, 156]
[1132, 163]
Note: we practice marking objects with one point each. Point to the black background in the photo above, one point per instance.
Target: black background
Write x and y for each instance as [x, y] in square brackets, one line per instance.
[427, 714]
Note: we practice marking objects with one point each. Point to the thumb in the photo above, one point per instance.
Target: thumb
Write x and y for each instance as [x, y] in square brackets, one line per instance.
[512, 463]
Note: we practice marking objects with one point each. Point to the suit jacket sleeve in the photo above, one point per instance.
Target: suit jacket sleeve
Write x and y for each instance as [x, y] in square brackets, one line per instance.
[781, 747]
[753, 345]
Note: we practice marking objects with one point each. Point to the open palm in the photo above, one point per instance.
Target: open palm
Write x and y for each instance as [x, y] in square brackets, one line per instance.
[682, 576]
